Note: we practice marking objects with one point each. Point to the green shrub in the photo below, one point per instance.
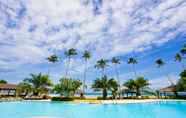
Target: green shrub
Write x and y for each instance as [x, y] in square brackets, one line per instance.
[62, 99]
[99, 98]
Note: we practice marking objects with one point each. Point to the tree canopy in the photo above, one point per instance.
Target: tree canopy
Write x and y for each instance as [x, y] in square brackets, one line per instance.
[181, 85]
[67, 87]
[3, 82]
[137, 84]
[104, 84]
[40, 83]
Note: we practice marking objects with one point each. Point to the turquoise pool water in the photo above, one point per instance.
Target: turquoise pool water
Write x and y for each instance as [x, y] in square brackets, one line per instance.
[68, 110]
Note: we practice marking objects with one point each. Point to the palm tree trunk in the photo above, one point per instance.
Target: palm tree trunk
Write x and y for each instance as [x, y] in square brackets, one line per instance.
[138, 92]
[134, 69]
[117, 76]
[183, 66]
[172, 84]
[104, 94]
[103, 72]
[48, 73]
[84, 80]
[168, 77]
[67, 68]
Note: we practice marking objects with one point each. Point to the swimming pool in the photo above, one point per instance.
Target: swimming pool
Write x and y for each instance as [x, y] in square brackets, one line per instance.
[69, 110]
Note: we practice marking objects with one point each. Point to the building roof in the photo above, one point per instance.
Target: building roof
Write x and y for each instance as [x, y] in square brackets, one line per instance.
[171, 88]
[8, 86]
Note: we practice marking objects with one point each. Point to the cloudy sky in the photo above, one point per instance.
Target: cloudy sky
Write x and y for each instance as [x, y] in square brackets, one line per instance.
[31, 30]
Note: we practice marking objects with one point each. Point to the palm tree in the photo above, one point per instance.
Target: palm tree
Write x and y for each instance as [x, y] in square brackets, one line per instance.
[104, 84]
[181, 84]
[133, 61]
[53, 59]
[3, 82]
[136, 85]
[115, 61]
[69, 53]
[183, 50]
[39, 83]
[101, 64]
[86, 56]
[160, 63]
[140, 83]
[130, 84]
[179, 58]
[25, 88]
[67, 87]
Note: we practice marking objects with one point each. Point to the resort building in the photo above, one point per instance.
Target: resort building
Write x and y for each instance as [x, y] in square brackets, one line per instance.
[8, 89]
[167, 91]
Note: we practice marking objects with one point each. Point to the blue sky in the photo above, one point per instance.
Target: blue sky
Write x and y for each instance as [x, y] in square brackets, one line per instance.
[32, 30]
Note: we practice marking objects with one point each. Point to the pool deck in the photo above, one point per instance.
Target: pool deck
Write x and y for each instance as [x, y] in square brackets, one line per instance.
[124, 101]
[137, 101]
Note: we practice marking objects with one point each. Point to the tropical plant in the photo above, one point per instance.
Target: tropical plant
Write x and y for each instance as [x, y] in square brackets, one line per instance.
[179, 58]
[102, 64]
[183, 50]
[114, 89]
[181, 85]
[24, 88]
[140, 83]
[136, 85]
[40, 83]
[183, 74]
[67, 87]
[53, 59]
[104, 84]
[69, 53]
[3, 82]
[160, 63]
[86, 56]
[115, 61]
[133, 61]
[130, 84]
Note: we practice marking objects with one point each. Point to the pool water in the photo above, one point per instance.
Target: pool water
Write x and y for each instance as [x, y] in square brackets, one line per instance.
[69, 110]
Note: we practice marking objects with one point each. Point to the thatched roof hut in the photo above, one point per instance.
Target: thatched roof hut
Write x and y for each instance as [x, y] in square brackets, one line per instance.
[8, 89]
[8, 86]
[171, 88]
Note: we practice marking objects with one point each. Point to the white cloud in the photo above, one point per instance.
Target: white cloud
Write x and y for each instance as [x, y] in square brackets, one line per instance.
[162, 82]
[55, 25]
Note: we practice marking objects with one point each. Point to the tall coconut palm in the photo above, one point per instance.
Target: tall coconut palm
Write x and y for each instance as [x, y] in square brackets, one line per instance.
[115, 61]
[69, 53]
[53, 59]
[178, 58]
[102, 64]
[160, 63]
[86, 56]
[183, 50]
[133, 61]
